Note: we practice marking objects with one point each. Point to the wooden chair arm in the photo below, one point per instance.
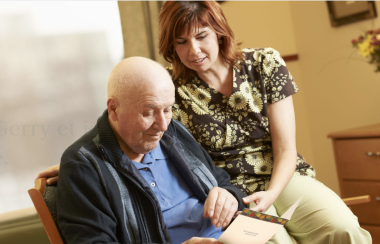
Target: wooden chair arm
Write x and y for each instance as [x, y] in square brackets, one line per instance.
[39, 184]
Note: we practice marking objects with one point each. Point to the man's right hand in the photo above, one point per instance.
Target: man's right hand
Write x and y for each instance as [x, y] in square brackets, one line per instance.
[200, 240]
[51, 174]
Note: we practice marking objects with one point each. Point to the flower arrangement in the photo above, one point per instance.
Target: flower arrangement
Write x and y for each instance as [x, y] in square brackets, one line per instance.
[369, 47]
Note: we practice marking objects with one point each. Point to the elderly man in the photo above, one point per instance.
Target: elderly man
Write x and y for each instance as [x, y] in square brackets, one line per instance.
[138, 176]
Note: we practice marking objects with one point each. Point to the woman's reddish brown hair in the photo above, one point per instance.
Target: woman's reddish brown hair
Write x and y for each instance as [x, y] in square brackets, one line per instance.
[176, 17]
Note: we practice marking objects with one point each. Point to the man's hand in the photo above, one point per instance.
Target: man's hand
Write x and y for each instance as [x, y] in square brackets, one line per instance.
[51, 174]
[199, 240]
[263, 200]
[220, 206]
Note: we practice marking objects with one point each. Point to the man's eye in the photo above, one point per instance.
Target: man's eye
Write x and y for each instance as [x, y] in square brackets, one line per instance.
[148, 114]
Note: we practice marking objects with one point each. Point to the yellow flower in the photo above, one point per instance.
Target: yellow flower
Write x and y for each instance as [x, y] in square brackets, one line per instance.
[245, 90]
[264, 121]
[263, 167]
[228, 137]
[199, 110]
[254, 158]
[201, 96]
[238, 101]
[252, 187]
[257, 57]
[240, 179]
[365, 47]
[181, 116]
[268, 156]
[255, 104]
[184, 92]
[272, 60]
[219, 143]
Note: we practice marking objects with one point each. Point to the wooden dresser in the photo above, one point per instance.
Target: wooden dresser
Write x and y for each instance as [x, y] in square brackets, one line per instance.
[357, 157]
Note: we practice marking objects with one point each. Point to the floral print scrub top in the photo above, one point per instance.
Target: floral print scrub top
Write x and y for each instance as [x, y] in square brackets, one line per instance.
[235, 130]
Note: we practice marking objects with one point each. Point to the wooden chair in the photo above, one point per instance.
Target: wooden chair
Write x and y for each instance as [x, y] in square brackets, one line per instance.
[43, 197]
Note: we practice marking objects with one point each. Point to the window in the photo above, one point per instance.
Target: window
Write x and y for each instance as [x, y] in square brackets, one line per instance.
[55, 60]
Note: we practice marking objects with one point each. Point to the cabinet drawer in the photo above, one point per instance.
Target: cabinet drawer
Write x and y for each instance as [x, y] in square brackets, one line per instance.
[374, 231]
[368, 213]
[353, 161]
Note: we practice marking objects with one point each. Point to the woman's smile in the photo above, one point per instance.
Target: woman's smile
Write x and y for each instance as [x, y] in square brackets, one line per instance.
[199, 61]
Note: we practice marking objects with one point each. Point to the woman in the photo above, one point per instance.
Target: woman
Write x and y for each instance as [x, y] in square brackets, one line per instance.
[238, 105]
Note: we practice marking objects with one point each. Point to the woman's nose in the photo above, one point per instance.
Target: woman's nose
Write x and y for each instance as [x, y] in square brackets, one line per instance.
[194, 48]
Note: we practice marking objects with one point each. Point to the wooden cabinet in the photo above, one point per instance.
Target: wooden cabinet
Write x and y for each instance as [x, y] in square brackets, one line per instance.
[357, 158]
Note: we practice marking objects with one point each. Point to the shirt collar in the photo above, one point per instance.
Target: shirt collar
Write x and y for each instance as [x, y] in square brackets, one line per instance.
[155, 154]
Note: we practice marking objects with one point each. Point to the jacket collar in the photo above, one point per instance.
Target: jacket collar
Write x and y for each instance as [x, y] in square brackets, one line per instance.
[108, 143]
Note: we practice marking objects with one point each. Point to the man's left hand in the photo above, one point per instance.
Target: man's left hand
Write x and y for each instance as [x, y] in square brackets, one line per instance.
[220, 206]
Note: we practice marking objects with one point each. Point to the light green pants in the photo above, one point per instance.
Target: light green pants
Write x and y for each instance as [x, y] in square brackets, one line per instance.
[320, 218]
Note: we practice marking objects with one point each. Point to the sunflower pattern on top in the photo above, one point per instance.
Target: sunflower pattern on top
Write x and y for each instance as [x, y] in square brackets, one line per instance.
[235, 130]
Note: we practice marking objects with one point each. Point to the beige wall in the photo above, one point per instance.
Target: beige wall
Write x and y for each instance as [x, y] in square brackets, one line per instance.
[262, 24]
[338, 88]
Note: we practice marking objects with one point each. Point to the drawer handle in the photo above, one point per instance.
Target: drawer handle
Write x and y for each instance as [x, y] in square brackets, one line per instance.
[373, 154]
[377, 199]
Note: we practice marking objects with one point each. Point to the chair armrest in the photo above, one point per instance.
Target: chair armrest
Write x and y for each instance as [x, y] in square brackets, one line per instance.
[40, 184]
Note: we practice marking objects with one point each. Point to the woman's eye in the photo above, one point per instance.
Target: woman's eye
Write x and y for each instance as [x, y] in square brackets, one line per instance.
[202, 37]
[179, 43]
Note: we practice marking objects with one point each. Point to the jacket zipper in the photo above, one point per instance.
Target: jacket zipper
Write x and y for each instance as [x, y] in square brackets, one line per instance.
[139, 187]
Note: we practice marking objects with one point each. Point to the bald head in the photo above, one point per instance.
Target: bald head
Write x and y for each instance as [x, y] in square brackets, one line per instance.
[140, 99]
[133, 74]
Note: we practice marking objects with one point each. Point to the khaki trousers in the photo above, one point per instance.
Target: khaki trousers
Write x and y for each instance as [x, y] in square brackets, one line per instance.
[320, 218]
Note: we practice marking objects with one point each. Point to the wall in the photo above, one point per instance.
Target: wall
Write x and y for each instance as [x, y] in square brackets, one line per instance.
[338, 88]
[341, 88]
[262, 24]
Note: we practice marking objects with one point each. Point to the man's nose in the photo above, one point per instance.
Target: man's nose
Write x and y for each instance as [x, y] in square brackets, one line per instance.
[161, 122]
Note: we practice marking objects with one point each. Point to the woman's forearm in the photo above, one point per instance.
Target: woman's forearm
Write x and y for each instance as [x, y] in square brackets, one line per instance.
[283, 169]
[283, 133]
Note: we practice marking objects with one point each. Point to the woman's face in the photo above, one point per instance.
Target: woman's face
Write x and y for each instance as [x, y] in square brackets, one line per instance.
[198, 50]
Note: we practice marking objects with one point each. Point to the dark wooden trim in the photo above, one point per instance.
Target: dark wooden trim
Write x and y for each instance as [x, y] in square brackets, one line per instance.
[367, 14]
[288, 58]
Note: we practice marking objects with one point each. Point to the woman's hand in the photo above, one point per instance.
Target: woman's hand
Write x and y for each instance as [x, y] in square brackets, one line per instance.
[220, 206]
[199, 240]
[263, 200]
[51, 174]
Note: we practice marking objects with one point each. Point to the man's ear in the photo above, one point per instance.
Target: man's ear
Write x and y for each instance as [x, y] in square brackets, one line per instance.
[112, 105]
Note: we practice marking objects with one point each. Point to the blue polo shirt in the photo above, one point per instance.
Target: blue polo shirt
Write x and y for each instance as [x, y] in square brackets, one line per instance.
[182, 211]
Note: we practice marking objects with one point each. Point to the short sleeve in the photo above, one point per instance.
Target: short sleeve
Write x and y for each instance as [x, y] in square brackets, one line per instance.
[278, 81]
